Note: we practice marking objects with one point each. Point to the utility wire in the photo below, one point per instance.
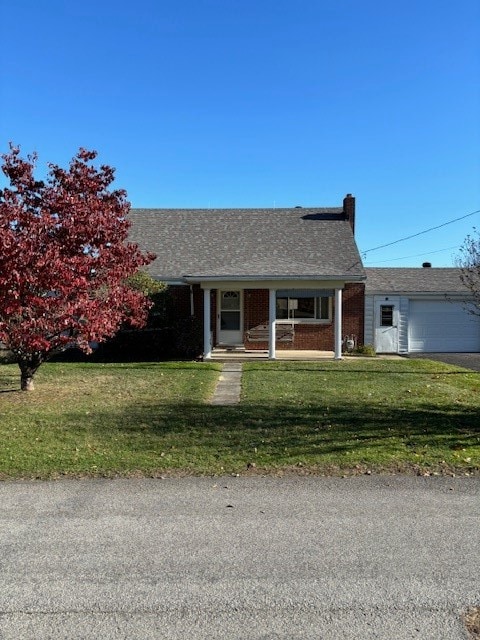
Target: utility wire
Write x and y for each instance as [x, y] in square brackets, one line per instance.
[414, 235]
[417, 255]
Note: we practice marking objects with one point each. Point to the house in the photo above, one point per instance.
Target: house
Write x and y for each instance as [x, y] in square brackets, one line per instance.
[260, 278]
[425, 309]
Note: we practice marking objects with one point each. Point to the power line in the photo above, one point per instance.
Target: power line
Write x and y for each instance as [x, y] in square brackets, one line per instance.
[415, 235]
[417, 255]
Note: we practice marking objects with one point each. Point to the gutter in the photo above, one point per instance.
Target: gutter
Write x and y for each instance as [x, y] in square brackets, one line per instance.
[421, 294]
[258, 278]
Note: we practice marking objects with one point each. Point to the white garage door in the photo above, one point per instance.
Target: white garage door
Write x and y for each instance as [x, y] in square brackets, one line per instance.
[442, 326]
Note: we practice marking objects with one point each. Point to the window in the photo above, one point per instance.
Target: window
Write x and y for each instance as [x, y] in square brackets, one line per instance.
[386, 315]
[304, 308]
[230, 311]
[230, 300]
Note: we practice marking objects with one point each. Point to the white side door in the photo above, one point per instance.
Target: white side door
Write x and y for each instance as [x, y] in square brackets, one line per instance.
[230, 317]
[387, 314]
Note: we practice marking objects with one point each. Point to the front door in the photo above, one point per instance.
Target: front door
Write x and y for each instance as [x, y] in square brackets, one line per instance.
[386, 324]
[230, 321]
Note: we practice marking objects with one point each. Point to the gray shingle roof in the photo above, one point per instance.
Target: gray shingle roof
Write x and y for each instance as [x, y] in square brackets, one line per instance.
[413, 280]
[247, 242]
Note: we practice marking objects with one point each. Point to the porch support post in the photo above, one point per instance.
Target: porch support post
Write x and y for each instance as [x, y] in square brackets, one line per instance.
[272, 312]
[207, 343]
[338, 324]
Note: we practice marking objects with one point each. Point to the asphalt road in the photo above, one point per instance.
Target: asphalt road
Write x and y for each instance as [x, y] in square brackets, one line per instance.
[250, 558]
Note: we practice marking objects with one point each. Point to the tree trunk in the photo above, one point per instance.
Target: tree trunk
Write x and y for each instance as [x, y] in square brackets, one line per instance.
[28, 367]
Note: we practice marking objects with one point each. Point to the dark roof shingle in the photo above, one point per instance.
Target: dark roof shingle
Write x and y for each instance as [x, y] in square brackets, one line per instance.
[247, 242]
[413, 280]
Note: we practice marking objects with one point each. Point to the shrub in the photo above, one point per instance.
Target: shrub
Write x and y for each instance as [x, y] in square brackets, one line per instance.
[7, 357]
[364, 350]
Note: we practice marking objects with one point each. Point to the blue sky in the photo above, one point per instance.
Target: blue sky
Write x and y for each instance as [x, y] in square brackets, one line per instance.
[222, 103]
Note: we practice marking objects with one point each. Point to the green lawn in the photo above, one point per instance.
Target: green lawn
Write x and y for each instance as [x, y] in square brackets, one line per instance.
[343, 417]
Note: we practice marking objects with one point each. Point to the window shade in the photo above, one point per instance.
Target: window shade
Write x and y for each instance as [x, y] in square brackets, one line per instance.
[305, 293]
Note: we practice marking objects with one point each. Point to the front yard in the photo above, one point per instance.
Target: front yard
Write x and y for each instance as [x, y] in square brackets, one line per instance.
[352, 416]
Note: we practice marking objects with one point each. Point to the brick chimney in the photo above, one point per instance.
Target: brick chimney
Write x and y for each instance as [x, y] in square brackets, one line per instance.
[349, 210]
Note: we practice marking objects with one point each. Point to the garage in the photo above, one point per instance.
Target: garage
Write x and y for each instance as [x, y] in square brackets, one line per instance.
[442, 326]
[419, 309]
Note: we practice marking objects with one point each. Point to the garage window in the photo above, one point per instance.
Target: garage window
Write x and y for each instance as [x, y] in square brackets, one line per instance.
[386, 315]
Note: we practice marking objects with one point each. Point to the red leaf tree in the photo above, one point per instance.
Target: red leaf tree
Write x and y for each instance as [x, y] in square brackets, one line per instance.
[64, 260]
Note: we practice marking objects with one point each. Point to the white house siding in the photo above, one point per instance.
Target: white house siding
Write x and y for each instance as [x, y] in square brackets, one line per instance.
[403, 325]
[369, 320]
[443, 326]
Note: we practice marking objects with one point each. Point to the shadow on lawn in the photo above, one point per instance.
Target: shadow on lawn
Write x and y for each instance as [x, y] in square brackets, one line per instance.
[338, 372]
[10, 378]
[302, 430]
[9, 382]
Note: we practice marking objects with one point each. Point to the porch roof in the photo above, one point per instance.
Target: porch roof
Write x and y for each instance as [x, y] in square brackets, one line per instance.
[248, 244]
[268, 269]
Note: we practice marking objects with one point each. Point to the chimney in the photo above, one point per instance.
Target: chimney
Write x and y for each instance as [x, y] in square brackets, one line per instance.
[349, 210]
[426, 265]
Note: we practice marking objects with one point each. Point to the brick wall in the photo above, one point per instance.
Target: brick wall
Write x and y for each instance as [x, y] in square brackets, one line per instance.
[180, 298]
[308, 336]
[181, 305]
[255, 308]
[353, 304]
[180, 301]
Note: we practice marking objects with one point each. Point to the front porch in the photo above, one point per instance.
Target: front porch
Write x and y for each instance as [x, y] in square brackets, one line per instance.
[273, 320]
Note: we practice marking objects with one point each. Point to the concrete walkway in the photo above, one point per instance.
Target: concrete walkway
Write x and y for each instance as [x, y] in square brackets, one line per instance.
[229, 385]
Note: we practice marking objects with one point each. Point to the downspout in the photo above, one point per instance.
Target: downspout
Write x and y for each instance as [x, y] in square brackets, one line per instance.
[192, 307]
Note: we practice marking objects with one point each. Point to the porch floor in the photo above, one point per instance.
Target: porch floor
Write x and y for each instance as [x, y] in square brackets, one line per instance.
[224, 355]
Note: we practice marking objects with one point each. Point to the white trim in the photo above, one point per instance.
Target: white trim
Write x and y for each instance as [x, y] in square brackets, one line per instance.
[285, 278]
[207, 341]
[283, 283]
[272, 312]
[338, 324]
[439, 295]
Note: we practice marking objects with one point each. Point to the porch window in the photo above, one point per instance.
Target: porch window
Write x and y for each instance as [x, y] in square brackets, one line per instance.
[303, 308]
